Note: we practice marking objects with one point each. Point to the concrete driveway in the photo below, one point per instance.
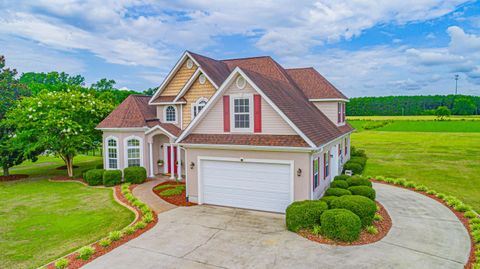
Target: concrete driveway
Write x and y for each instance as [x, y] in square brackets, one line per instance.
[425, 234]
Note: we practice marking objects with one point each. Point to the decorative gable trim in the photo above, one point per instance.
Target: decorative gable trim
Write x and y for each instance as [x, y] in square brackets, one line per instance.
[190, 82]
[225, 84]
[158, 127]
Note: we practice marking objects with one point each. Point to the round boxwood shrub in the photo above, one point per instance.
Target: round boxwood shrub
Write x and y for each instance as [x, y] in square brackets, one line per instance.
[358, 181]
[328, 199]
[341, 177]
[84, 172]
[341, 224]
[135, 175]
[304, 214]
[112, 177]
[366, 191]
[99, 166]
[356, 168]
[342, 184]
[337, 192]
[360, 205]
[360, 160]
[94, 177]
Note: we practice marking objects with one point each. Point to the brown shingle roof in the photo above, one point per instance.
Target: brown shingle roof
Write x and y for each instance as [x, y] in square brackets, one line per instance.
[133, 112]
[218, 71]
[242, 139]
[314, 85]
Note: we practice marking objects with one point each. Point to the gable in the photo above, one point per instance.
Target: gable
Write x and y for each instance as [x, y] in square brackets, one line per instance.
[179, 79]
[272, 122]
[195, 92]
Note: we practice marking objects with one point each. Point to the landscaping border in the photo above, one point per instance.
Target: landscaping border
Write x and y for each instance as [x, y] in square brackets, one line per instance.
[451, 203]
[178, 200]
[120, 193]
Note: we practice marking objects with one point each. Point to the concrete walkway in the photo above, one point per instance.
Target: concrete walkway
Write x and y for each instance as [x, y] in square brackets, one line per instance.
[144, 192]
[425, 234]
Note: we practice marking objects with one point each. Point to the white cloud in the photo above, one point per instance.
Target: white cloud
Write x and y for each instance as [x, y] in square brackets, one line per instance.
[463, 43]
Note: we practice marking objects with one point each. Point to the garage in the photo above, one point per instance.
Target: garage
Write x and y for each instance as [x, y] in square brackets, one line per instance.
[265, 185]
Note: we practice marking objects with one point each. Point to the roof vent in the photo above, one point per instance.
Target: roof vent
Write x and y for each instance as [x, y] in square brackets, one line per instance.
[202, 79]
[241, 82]
[189, 63]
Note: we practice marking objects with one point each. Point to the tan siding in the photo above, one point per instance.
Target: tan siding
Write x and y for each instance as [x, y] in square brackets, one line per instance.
[195, 92]
[179, 80]
[272, 122]
[330, 109]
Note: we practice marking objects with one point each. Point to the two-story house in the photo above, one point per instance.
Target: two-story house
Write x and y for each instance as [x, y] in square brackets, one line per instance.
[240, 132]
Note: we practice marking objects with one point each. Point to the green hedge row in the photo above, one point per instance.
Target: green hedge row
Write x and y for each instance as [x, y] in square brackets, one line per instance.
[96, 177]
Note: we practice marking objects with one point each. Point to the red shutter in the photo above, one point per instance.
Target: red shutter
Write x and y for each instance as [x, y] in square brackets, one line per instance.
[324, 165]
[257, 113]
[226, 113]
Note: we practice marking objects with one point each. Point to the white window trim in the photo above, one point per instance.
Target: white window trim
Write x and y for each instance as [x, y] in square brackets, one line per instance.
[125, 149]
[107, 158]
[232, 112]
[201, 99]
[165, 114]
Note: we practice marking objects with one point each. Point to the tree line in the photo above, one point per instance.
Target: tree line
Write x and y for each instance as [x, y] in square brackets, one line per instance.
[413, 105]
[52, 112]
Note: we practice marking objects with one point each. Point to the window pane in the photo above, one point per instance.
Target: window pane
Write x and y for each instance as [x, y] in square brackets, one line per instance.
[112, 153]
[112, 143]
[133, 153]
[242, 121]
[133, 143]
[133, 162]
[112, 163]
[170, 113]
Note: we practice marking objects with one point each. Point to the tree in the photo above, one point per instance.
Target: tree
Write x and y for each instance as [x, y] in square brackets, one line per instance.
[11, 90]
[464, 106]
[150, 91]
[52, 81]
[441, 112]
[61, 122]
[104, 85]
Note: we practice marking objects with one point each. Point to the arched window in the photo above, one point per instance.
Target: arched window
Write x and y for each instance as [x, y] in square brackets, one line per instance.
[133, 152]
[112, 153]
[198, 106]
[170, 114]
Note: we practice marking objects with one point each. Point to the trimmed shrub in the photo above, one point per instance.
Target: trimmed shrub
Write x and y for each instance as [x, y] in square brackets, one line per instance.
[112, 178]
[366, 191]
[140, 225]
[62, 263]
[342, 184]
[84, 172]
[341, 224]
[86, 252]
[99, 166]
[175, 191]
[105, 242]
[432, 192]
[115, 235]
[357, 152]
[337, 192]
[358, 181]
[328, 199]
[356, 168]
[470, 214]
[135, 175]
[377, 217]
[391, 180]
[462, 207]
[421, 188]
[360, 160]
[400, 181]
[440, 195]
[129, 230]
[341, 177]
[360, 205]
[304, 214]
[94, 177]
[411, 185]
[371, 229]
[147, 218]
[474, 221]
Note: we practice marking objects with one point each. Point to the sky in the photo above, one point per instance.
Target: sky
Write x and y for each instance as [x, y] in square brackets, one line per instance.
[365, 48]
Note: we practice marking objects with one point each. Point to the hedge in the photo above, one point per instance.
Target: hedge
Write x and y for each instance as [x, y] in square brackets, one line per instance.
[328, 199]
[366, 191]
[94, 177]
[304, 214]
[337, 192]
[360, 205]
[135, 175]
[356, 168]
[357, 152]
[360, 160]
[84, 172]
[358, 181]
[112, 177]
[99, 166]
[341, 224]
[342, 184]
[341, 177]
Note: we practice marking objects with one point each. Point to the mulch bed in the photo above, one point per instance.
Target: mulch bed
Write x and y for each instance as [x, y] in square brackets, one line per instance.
[178, 200]
[365, 238]
[65, 167]
[12, 177]
[460, 216]
[99, 250]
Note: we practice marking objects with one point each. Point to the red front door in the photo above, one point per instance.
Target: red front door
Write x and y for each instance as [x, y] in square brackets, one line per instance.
[174, 160]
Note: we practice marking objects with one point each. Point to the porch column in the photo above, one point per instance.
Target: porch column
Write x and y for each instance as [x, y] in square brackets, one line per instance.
[172, 163]
[179, 165]
[150, 156]
[165, 158]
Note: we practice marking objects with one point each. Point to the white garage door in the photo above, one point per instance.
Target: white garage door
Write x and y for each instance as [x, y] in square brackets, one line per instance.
[249, 184]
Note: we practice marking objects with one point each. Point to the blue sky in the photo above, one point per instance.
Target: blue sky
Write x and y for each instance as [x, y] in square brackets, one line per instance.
[365, 48]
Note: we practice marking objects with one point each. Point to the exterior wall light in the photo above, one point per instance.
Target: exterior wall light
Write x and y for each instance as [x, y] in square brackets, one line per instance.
[192, 165]
[299, 172]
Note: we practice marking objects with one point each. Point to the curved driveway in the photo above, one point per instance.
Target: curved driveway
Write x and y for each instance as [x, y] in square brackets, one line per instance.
[425, 234]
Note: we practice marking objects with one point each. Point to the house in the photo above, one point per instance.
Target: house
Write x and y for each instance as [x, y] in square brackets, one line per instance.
[244, 132]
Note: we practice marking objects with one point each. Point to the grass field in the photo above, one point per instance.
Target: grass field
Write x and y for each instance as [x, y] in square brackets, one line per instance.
[42, 220]
[454, 126]
[428, 153]
[409, 118]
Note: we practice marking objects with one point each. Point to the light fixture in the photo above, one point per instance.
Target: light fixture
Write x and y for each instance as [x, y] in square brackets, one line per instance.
[192, 165]
[299, 172]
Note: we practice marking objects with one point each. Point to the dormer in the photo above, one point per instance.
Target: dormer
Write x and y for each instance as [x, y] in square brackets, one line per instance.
[334, 109]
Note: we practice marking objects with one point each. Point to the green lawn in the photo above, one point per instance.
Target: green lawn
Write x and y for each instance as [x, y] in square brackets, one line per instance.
[446, 162]
[454, 126]
[410, 118]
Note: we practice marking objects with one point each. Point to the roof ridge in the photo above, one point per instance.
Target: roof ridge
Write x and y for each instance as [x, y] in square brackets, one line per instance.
[246, 58]
[298, 68]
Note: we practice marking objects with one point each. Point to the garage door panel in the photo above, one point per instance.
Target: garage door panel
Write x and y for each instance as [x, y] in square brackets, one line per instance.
[254, 185]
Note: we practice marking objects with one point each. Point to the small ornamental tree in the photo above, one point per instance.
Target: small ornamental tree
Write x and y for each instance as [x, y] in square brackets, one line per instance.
[61, 122]
[442, 112]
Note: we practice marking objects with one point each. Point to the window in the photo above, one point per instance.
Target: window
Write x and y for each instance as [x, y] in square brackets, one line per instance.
[339, 112]
[326, 164]
[242, 113]
[202, 79]
[346, 146]
[112, 153]
[198, 106]
[241, 82]
[170, 114]
[133, 152]
[344, 106]
[315, 173]
[189, 64]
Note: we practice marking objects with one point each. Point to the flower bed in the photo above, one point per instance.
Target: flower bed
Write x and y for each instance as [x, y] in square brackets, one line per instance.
[145, 220]
[469, 218]
[173, 193]
[12, 177]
